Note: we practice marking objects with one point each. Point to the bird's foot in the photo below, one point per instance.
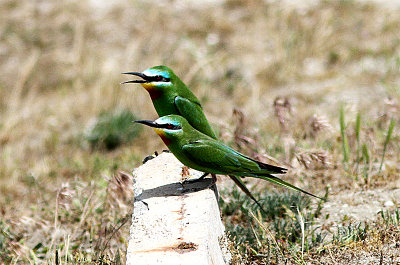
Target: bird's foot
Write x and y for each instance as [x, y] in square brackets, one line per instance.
[187, 181]
[214, 179]
[150, 157]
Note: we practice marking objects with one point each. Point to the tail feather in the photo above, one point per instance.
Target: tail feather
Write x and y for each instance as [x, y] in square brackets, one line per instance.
[283, 183]
[272, 169]
[243, 187]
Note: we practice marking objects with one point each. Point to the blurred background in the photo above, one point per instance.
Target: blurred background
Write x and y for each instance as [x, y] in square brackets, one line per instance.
[310, 85]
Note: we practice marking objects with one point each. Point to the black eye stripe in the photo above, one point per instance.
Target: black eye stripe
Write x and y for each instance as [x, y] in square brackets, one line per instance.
[170, 126]
[158, 78]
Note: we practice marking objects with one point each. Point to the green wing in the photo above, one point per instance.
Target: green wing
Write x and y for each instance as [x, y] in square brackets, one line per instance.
[208, 153]
[193, 113]
[212, 155]
[215, 155]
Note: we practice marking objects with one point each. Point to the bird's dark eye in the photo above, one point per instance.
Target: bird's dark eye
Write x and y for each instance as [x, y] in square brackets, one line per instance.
[171, 126]
[160, 78]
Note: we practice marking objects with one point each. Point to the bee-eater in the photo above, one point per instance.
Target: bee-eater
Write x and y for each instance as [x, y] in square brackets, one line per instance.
[171, 96]
[201, 152]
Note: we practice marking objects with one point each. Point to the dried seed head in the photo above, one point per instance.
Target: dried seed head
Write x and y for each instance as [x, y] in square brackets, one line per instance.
[283, 111]
[240, 120]
[240, 138]
[319, 124]
[316, 159]
[391, 105]
[65, 194]
[390, 110]
[120, 188]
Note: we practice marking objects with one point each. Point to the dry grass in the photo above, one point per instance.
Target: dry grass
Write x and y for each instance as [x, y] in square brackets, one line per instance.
[287, 71]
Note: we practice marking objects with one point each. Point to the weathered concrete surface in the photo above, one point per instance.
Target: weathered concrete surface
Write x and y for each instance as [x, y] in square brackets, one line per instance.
[174, 223]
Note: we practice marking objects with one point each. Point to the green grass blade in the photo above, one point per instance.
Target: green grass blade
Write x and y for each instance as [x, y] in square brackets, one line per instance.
[358, 129]
[388, 136]
[345, 143]
[366, 158]
[358, 126]
[365, 153]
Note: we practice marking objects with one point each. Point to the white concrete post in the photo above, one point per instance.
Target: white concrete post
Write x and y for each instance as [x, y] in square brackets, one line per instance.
[174, 223]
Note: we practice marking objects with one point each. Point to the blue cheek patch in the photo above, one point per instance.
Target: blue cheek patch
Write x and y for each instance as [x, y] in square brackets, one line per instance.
[153, 72]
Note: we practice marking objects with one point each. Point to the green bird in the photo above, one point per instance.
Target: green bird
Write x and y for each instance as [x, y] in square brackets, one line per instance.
[171, 96]
[201, 152]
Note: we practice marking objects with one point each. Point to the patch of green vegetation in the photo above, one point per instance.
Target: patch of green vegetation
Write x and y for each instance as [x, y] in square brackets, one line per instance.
[99, 208]
[390, 217]
[112, 129]
[352, 232]
[5, 240]
[286, 225]
[359, 152]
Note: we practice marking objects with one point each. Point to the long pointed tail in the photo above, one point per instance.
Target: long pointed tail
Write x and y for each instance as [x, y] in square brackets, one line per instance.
[281, 182]
[243, 187]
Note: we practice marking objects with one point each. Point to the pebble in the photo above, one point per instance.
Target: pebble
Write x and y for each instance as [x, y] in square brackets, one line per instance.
[389, 204]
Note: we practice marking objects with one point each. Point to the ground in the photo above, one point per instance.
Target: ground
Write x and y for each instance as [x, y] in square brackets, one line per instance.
[311, 86]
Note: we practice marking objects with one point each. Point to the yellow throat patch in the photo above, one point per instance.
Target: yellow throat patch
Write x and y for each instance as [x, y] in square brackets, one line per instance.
[160, 132]
[148, 86]
[153, 91]
[163, 136]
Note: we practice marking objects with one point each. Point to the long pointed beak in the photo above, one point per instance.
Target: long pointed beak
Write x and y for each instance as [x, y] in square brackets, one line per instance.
[135, 81]
[148, 123]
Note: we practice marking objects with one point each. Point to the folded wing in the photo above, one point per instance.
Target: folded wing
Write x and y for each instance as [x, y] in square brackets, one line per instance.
[193, 113]
[215, 155]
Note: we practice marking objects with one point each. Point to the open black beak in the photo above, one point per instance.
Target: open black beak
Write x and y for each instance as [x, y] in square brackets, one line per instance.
[153, 124]
[149, 123]
[145, 77]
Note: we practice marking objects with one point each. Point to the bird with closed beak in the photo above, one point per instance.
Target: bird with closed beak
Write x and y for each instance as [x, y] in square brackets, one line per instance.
[201, 152]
